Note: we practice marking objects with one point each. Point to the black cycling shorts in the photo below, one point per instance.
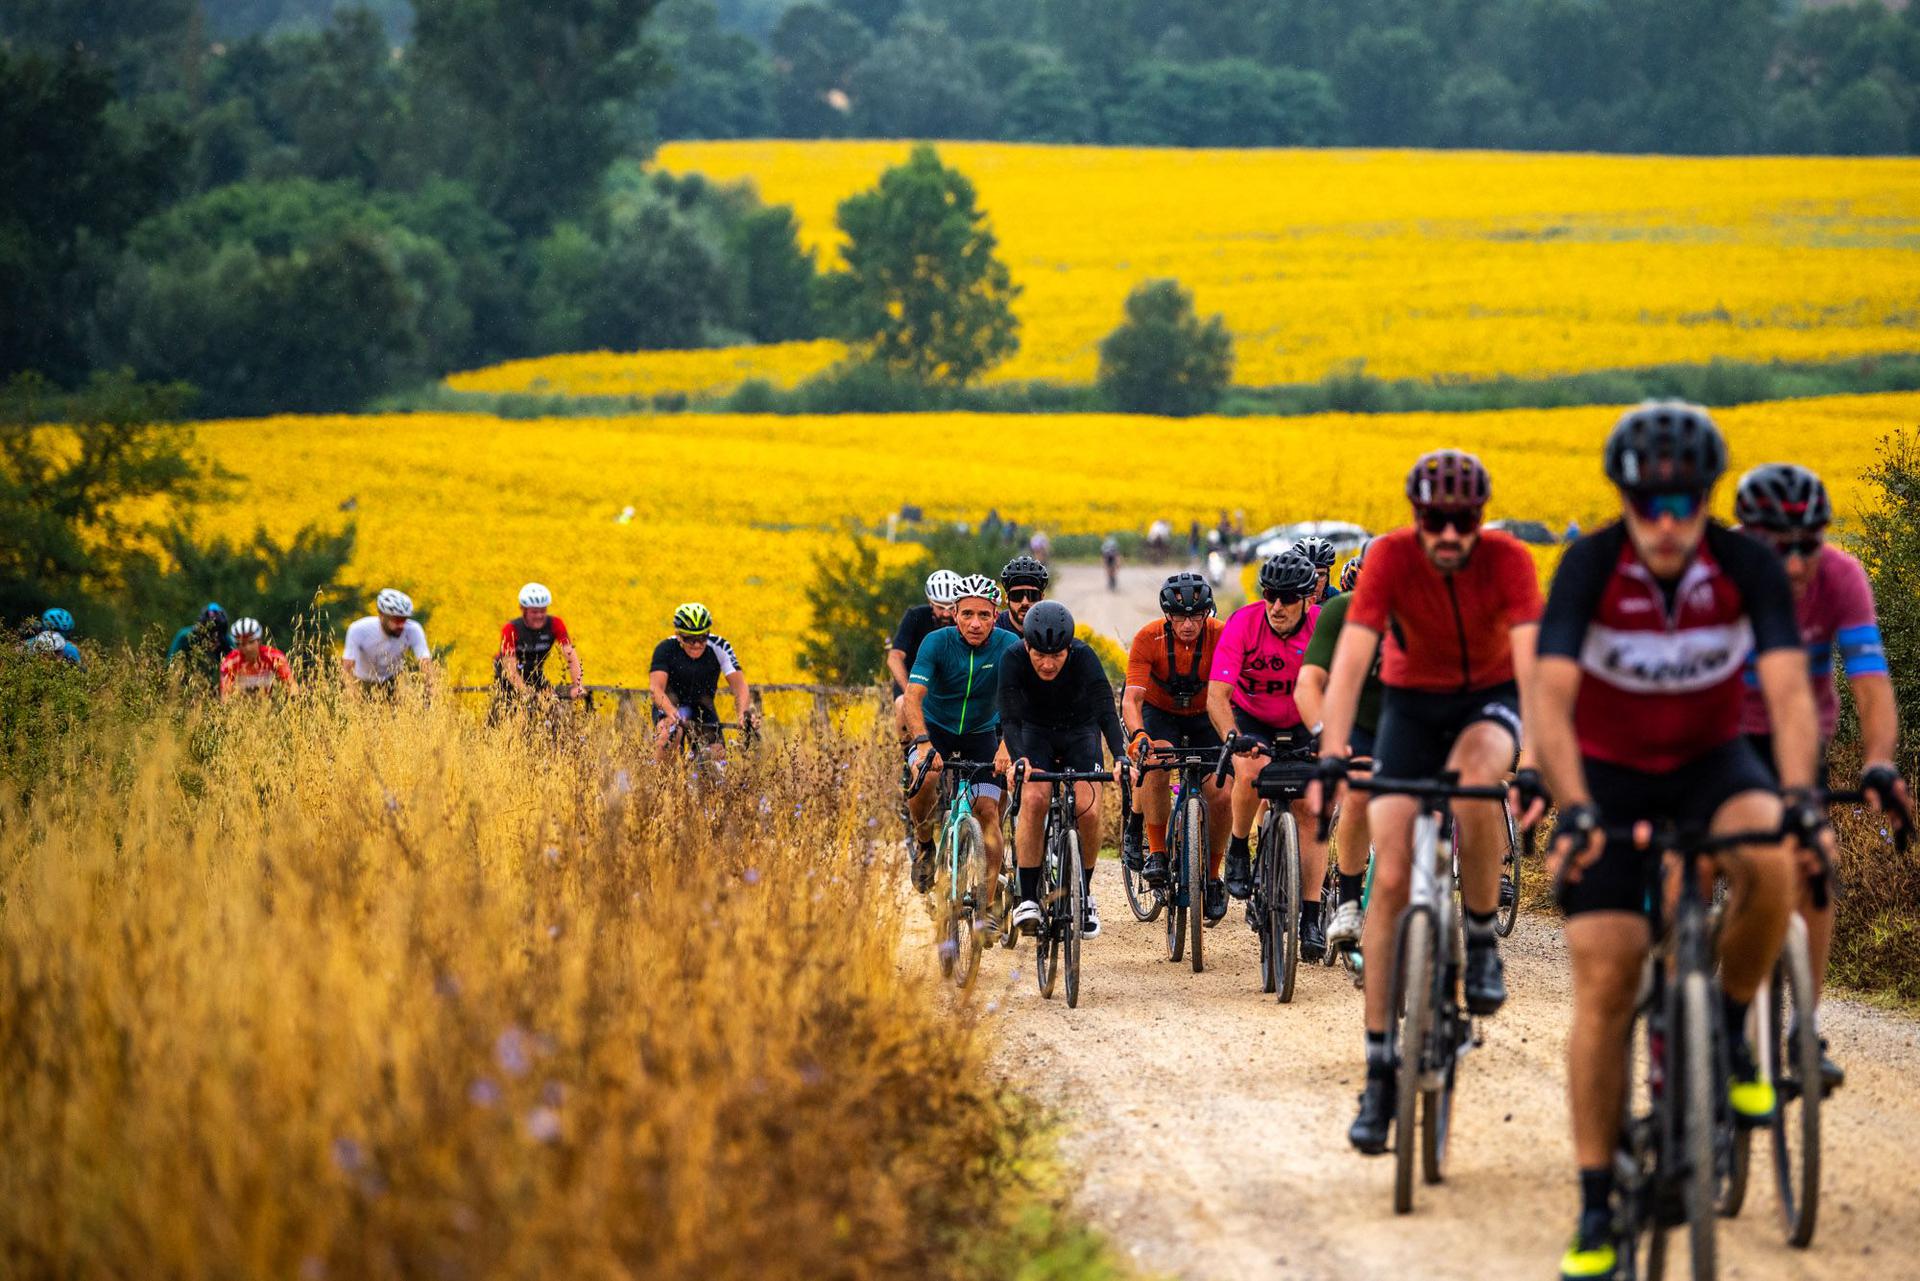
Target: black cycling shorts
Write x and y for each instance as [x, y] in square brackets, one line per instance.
[1182, 731]
[1689, 796]
[1763, 748]
[1418, 727]
[1073, 749]
[975, 745]
[1361, 740]
[1279, 739]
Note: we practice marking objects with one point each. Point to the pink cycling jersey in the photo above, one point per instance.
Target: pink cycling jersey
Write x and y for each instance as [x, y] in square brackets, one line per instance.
[1837, 620]
[1261, 665]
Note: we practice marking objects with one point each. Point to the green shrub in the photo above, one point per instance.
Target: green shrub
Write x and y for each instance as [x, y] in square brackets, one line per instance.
[1163, 359]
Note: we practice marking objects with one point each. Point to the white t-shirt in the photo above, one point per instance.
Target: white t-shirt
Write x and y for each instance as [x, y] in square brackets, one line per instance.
[379, 657]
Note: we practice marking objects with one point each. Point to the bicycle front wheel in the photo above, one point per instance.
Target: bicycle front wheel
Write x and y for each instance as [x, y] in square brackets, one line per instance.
[1508, 913]
[1046, 950]
[1794, 1049]
[1182, 895]
[1144, 901]
[971, 912]
[1412, 1000]
[1283, 903]
[1699, 1079]
[1076, 904]
[1195, 857]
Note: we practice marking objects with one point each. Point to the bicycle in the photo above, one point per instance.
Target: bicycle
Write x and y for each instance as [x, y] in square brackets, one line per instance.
[1063, 888]
[963, 906]
[1188, 847]
[1432, 1029]
[1274, 909]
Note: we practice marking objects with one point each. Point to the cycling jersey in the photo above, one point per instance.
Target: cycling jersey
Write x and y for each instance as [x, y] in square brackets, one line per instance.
[1005, 623]
[529, 646]
[378, 657]
[1263, 666]
[236, 673]
[1662, 661]
[1326, 634]
[1835, 613]
[1446, 632]
[1173, 674]
[203, 648]
[915, 626]
[1078, 698]
[962, 681]
[693, 682]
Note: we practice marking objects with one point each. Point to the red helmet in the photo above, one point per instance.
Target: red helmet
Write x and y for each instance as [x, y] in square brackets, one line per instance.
[1449, 478]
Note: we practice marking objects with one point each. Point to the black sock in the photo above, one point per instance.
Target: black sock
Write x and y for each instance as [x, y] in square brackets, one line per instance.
[1310, 913]
[1735, 1014]
[1379, 1055]
[1030, 883]
[1237, 847]
[1086, 880]
[1596, 1190]
[1480, 929]
[1352, 887]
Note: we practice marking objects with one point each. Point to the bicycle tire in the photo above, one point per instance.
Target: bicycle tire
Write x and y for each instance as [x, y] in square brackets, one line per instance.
[1284, 907]
[1076, 901]
[1006, 897]
[1789, 1026]
[1046, 952]
[971, 910]
[943, 904]
[1329, 894]
[1142, 899]
[1436, 1102]
[1181, 897]
[1507, 914]
[1196, 860]
[1412, 984]
[1698, 1077]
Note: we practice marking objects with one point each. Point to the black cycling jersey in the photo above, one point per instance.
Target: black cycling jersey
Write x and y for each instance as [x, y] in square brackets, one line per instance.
[1005, 622]
[529, 647]
[693, 682]
[915, 625]
[1080, 696]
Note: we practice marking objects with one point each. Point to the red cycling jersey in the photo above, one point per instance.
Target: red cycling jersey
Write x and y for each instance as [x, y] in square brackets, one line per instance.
[1446, 633]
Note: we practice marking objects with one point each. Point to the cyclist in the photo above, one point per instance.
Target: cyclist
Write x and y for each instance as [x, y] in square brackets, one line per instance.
[953, 710]
[58, 622]
[520, 664]
[1056, 704]
[1352, 839]
[1786, 507]
[943, 586]
[1110, 558]
[253, 666]
[202, 645]
[1323, 556]
[684, 677]
[1024, 581]
[1460, 609]
[1165, 705]
[1256, 666]
[377, 646]
[1636, 710]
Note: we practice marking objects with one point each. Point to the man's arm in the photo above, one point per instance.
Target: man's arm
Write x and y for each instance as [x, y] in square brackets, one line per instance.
[1310, 695]
[1351, 659]
[1548, 718]
[1525, 639]
[1220, 708]
[657, 686]
[897, 666]
[574, 671]
[1790, 710]
[742, 697]
[1879, 717]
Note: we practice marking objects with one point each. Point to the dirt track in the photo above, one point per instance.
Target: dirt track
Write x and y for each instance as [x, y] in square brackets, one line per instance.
[1207, 1123]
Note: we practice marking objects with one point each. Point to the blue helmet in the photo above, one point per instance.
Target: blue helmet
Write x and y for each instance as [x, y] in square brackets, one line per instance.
[214, 614]
[58, 620]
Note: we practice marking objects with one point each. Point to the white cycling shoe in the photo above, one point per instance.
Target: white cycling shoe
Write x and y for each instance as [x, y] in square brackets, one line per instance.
[1344, 929]
[1026, 917]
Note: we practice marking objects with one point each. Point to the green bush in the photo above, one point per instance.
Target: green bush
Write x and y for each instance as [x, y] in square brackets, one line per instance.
[1164, 359]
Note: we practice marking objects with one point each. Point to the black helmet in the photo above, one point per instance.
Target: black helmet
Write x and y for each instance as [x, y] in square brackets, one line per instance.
[1187, 595]
[1289, 572]
[1350, 573]
[1049, 628]
[1665, 444]
[1319, 551]
[1024, 571]
[1782, 496]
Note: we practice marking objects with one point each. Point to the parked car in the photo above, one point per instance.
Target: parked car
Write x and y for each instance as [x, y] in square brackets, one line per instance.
[1527, 531]
[1345, 536]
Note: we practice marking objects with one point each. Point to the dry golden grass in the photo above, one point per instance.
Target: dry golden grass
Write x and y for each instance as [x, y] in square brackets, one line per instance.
[347, 991]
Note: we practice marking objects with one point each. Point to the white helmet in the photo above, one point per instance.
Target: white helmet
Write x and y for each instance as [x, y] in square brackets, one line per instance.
[48, 643]
[246, 627]
[535, 596]
[394, 603]
[978, 585]
[943, 587]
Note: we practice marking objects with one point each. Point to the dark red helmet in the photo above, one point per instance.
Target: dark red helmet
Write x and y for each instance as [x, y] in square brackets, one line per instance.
[1782, 496]
[1665, 444]
[1449, 478]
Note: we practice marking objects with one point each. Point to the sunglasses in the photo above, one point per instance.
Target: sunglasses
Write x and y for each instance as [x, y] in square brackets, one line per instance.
[692, 640]
[1806, 545]
[1023, 595]
[1284, 598]
[1681, 504]
[1463, 520]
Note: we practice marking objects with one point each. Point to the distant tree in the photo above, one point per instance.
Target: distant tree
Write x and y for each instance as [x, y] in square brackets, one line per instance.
[292, 587]
[1865, 119]
[1163, 359]
[645, 281]
[1049, 104]
[815, 50]
[1796, 124]
[877, 16]
[919, 82]
[720, 83]
[1388, 81]
[142, 44]
[777, 292]
[1480, 107]
[923, 292]
[1306, 108]
[855, 601]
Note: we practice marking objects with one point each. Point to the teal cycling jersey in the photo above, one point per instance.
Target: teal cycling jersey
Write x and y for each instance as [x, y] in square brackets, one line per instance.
[962, 682]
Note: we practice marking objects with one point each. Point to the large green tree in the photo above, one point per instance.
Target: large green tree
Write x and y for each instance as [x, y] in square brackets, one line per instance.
[924, 293]
[1163, 359]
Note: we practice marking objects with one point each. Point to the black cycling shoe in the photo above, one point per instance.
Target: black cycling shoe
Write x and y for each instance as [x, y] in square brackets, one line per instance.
[1832, 1075]
[1239, 874]
[923, 868]
[1313, 939]
[1509, 892]
[1485, 980]
[1133, 841]
[1154, 870]
[1216, 901]
[1374, 1125]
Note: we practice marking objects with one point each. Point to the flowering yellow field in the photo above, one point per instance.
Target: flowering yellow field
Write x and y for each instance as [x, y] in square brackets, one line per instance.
[693, 373]
[461, 509]
[1419, 263]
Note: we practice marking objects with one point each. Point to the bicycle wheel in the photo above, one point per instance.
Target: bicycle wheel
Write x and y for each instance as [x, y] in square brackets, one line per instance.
[944, 903]
[1075, 900]
[971, 912]
[1006, 897]
[1284, 906]
[1443, 1041]
[1329, 899]
[1195, 857]
[1181, 895]
[1143, 899]
[1794, 1050]
[1508, 913]
[1046, 952]
[1412, 989]
[1698, 1080]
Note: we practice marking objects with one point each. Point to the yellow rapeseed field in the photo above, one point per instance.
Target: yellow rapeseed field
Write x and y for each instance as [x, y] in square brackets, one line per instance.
[701, 372]
[1419, 263]
[462, 509]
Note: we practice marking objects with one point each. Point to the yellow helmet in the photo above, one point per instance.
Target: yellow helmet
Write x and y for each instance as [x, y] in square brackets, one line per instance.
[692, 619]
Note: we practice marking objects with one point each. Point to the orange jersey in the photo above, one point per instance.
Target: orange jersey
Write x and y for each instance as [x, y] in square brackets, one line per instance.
[1175, 682]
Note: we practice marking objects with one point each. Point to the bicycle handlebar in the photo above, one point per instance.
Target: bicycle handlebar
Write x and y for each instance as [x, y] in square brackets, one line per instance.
[926, 764]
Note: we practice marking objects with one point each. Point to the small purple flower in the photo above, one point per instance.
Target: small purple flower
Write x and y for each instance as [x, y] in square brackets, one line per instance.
[347, 1155]
[511, 1053]
[543, 1125]
[483, 1093]
[751, 876]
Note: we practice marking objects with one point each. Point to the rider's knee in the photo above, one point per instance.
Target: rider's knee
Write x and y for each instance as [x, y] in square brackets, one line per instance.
[1035, 797]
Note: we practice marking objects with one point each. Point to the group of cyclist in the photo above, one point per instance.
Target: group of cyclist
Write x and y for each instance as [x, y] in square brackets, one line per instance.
[1677, 672]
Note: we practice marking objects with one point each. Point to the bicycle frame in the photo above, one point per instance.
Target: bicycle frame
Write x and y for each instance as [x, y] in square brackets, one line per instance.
[1182, 895]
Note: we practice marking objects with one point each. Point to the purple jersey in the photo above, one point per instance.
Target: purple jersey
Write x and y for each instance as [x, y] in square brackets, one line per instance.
[1835, 613]
[1261, 665]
